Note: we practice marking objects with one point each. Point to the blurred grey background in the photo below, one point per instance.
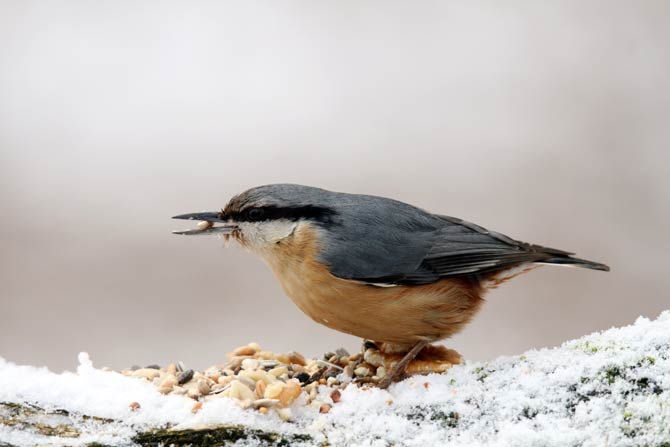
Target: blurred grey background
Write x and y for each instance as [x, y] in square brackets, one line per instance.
[547, 121]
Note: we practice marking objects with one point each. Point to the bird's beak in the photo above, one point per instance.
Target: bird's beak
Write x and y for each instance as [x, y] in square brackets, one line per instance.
[206, 225]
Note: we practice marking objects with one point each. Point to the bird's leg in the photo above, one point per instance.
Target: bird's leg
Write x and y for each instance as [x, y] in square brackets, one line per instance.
[399, 368]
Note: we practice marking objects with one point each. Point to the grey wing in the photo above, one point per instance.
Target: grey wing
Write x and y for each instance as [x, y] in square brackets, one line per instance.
[462, 248]
[379, 247]
[424, 253]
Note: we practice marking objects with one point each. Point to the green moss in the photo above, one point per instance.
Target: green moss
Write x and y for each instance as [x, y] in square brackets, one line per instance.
[420, 414]
[481, 373]
[449, 419]
[215, 436]
[612, 373]
[589, 348]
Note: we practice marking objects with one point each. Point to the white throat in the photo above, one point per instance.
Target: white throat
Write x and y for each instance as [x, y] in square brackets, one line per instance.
[261, 236]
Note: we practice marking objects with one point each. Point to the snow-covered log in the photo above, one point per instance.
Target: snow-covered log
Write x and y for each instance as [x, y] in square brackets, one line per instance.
[605, 389]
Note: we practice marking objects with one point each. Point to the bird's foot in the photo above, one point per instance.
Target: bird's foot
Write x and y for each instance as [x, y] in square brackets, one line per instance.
[422, 358]
[433, 359]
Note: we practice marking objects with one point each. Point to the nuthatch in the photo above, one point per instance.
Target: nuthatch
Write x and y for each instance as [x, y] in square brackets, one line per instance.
[375, 267]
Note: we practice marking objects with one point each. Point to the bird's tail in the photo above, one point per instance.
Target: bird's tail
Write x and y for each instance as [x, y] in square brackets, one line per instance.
[568, 260]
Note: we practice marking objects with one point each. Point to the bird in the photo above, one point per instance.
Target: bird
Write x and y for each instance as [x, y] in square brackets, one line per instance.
[375, 267]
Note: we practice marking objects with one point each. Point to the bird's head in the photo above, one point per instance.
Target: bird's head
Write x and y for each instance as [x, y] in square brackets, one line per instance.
[262, 217]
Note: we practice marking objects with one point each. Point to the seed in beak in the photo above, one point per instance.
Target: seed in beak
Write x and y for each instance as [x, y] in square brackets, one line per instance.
[204, 224]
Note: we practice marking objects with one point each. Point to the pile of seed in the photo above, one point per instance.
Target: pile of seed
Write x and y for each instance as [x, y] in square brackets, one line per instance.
[264, 380]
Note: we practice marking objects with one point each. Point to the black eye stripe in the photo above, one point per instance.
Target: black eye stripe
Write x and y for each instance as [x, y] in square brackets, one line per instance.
[257, 214]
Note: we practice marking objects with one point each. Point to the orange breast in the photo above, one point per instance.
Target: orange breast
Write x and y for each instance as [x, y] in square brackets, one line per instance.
[399, 315]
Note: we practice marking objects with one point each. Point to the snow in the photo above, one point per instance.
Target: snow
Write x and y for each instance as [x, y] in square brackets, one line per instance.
[610, 388]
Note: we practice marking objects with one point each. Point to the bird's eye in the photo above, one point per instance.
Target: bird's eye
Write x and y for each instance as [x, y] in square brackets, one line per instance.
[255, 214]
